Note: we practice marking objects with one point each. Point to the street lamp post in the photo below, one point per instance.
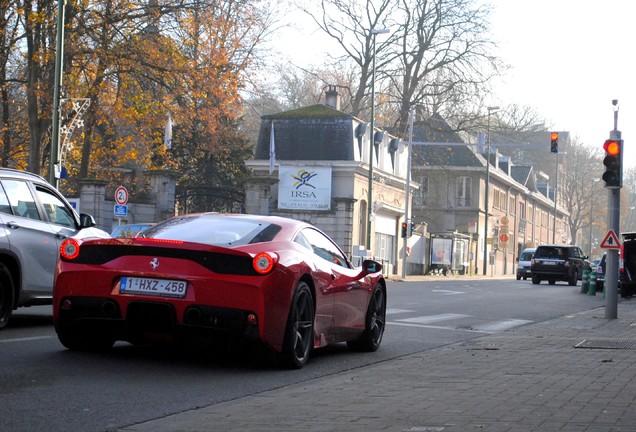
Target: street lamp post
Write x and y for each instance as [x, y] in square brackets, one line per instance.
[591, 212]
[54, 157]
[490, 109]
[556, 190]
[374, 33]
[408, 192]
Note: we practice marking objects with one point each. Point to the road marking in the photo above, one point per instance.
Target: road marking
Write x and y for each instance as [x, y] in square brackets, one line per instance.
[26, 339]
[433, 318]
[448, 292]
[398, 311]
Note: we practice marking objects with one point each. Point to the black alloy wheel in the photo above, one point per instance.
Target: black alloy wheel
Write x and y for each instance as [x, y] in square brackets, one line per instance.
[299, 332]
[375, 323]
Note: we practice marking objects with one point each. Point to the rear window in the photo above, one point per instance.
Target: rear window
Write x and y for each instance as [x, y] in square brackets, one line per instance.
[215, 230]
[551, 252]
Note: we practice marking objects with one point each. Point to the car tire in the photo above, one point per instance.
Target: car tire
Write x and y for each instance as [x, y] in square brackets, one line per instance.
[552, 282]
[299, 331]
[84, 340]
[375, 323]
[518, 277]
[575, 278]
[7, 296]
[536, 279]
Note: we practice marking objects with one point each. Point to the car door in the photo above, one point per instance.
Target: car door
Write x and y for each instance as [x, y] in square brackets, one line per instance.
[31, 238]
[350, 295]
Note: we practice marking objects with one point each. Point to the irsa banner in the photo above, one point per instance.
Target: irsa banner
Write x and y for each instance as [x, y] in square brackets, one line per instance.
[304, 188]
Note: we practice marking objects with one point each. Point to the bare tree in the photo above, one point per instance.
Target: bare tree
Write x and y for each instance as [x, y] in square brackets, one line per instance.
[580, 167]
[438, 53]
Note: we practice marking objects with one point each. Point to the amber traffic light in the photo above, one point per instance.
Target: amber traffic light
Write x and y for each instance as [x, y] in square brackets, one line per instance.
[554, 142]
[613, 161]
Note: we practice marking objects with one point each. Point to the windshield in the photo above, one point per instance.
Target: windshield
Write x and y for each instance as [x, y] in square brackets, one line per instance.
[526, 256]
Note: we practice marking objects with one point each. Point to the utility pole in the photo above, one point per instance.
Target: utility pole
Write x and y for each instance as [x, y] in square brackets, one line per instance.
[54, 156]
[613, 222]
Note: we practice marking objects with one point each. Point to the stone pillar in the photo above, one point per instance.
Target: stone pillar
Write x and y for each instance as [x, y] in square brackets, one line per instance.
[92, 201]
[258, 195]
[162, 192]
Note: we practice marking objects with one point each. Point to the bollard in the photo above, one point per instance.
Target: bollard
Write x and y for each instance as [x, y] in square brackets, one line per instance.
[592, 290]
[585, 281]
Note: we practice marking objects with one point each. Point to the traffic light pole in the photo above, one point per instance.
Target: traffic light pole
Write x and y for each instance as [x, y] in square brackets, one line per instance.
[613, 222]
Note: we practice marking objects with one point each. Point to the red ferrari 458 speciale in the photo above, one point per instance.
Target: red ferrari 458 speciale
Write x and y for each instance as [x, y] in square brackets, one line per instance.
[255, 278]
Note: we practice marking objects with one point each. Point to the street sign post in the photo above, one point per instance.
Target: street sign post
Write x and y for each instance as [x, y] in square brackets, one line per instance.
[121, 195]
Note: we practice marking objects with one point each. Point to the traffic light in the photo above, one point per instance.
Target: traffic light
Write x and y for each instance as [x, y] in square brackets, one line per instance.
[613, 175]
[554, 142]
[407, 229]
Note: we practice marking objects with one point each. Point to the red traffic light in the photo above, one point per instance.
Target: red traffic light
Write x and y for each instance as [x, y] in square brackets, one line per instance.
[612, 147]
[554, 136]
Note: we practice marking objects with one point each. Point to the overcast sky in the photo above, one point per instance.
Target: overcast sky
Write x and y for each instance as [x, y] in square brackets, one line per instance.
[569, 59]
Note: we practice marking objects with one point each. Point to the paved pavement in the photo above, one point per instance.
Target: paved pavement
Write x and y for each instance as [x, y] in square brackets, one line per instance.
[532, 378]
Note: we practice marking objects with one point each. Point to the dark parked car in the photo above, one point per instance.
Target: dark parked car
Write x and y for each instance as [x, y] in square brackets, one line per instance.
[600, 271]
[627, 265]
[35, 219]
[558, 263]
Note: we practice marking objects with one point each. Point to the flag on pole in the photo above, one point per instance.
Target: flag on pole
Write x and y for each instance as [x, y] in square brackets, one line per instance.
[167, 136]
[272, 150]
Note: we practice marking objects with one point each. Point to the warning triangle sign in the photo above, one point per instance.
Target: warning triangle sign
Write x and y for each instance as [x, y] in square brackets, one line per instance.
[610, 241]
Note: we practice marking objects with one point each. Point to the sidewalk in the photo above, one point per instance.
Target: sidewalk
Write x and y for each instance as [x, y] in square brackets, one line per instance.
[533, 378]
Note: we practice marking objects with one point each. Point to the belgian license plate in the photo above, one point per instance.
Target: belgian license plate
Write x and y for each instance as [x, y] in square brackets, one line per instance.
[153, 287]
[550, 263]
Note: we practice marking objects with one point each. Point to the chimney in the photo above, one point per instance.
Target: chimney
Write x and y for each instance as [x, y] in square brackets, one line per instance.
[331, 97]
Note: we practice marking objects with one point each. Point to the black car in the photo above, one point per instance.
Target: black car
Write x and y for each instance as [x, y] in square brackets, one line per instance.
[627, 265]
[600, 271]
[558, 263]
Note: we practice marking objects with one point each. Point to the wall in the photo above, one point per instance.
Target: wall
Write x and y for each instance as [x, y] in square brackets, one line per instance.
[160, 204]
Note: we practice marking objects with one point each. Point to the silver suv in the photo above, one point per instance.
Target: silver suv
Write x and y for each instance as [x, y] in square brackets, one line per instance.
[34, 220]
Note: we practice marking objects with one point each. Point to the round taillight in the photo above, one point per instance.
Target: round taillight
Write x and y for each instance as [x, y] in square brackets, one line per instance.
[263, 263]
[69, 249]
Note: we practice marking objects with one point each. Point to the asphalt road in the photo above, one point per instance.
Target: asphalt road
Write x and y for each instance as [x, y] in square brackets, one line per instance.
[45, 387]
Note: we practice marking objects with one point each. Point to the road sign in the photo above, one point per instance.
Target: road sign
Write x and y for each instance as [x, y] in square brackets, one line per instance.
[121, 195]
[121, 210]
[611, 241]
[503, 238]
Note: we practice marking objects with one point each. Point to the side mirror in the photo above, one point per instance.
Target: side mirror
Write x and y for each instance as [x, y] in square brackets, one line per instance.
[371, 266]
[86, 221]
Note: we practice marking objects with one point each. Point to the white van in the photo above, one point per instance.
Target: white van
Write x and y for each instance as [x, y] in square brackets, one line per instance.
[523, 263]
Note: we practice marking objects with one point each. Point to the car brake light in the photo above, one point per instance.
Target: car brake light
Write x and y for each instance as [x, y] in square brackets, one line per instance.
[264, 262]
[69, 249]
[158, 240]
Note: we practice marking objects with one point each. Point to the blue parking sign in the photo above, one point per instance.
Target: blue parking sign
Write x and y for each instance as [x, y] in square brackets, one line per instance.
[121, 210]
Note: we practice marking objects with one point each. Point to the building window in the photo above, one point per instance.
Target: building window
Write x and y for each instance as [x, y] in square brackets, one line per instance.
[464, 191]
[512, 208]
[496, 200]
[420, 196]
